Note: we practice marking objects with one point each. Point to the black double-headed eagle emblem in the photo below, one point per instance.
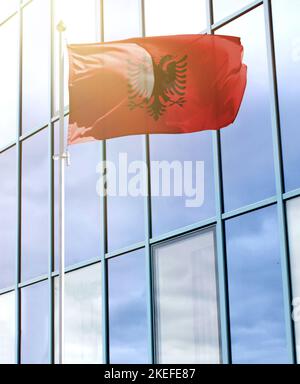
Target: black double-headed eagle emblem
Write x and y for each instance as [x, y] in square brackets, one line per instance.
[157, 87]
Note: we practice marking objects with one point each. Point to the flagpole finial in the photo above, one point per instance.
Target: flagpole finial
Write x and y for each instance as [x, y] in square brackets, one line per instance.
[61, 26]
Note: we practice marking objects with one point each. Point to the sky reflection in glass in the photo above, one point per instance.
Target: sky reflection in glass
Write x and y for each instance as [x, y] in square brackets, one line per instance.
[35, 324]
[35, 205]
[287, 40]
[293, 213]
[35, 65]
[83, 339]
[186, 300]
[255, 289]
[127, 309]
[247, 153]
[8, 217]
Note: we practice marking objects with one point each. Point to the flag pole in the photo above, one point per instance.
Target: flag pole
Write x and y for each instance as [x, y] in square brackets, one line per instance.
[61, 28]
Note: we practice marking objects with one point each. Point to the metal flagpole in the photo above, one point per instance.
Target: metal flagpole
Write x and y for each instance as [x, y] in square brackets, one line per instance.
[61, 205]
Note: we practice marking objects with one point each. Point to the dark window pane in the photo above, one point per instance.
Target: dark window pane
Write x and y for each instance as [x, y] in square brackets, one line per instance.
[247, 152]
[117, 13]
[172, 17]
[125, 212]
[255, 289]
[293, 213]
[186, 300]
[35, 324]
[8, 217]
[82, 209]
[9, 82]
[169, 213]
[35, 205]
[7, 328]
[224, 8]
[83, 339]
[127, 309]
[287, 39]
[36, 60]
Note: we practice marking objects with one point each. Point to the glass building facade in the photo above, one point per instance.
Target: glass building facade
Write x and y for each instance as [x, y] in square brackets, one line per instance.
[149, 280]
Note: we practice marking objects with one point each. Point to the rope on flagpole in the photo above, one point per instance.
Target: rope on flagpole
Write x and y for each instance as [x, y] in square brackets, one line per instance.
[62, 157]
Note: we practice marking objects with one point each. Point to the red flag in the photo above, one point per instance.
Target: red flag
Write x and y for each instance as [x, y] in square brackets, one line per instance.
[166, 84]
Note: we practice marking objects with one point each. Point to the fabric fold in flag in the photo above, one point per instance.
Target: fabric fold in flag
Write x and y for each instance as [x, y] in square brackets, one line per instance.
[164, 84]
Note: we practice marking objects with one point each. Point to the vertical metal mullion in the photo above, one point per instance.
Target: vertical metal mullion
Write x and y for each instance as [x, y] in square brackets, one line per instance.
[19, 194]
[51, 192]
[148, 227]
[220, 231]
[103, 214]
[278, 163]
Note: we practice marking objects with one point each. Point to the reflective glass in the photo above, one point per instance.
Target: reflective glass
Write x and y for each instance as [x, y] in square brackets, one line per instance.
[36, 63]
[293, 213]
[35, 205]
[35, 324]
[195, 182]
[125, 209]
[9, 82]
[287, 43]
[83, 339]
[82, 208]
[172, 17]
[127, 309]
[81, 18]
[224, 8]
[8, 217]
[255, 289]
[247, 153]
[186, 300]
[121, 19]
[7, 328]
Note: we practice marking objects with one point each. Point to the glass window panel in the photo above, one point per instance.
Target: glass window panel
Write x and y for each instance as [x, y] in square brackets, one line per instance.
[172, 212]
[7, 8]
[36, 62]
[35, 324]
[224, 8]
[127, 309]
[255, 289]
[7, 328]
[186, 300]
[293, 213]
[172, 17]
[125, 212]
[8, 217]
[9, 82]
[287, 40]
[247, 153]
[121, 19]
[35, 205]
[82, 19]
[82, 215]
[83, 319]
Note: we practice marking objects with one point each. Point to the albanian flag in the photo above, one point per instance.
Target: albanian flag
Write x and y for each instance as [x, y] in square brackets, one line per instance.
[165, 84]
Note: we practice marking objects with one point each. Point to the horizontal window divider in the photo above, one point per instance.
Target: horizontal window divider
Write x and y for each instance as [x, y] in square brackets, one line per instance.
[125, 250]
[33, 281]
[34, 132]
[7, 147]
[250, 208]
[184, 230]
[78, 266]
[10, 289]
[291, 195]
[236, 15]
